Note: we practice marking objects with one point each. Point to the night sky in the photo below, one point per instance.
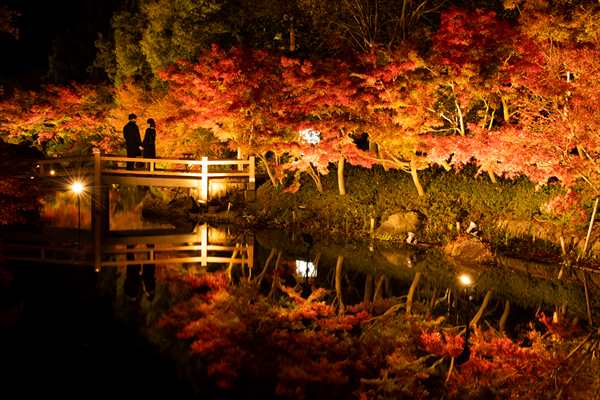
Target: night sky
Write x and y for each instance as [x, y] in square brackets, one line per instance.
[65, 29]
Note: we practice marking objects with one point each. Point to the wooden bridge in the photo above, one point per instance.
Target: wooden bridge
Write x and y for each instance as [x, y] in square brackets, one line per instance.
[126, 248]
[108, 169]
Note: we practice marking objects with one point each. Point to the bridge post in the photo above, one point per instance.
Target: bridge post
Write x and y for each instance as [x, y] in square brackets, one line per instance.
[97, 210]
[204, 244]
[251, 187]
[204, 183]
[240, 156]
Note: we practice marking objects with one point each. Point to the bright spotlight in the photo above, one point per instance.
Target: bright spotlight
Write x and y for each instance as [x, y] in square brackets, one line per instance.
[52, 172]
[77, 187]
[465, 280]
[306, 268]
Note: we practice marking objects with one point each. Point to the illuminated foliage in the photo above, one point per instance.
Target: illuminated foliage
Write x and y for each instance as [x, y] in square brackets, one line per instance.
[294, 345]
[59, 119]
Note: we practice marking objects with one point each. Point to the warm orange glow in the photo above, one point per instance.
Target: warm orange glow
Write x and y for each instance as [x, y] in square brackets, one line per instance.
[52, 172]
[77, 187]
[465, 280]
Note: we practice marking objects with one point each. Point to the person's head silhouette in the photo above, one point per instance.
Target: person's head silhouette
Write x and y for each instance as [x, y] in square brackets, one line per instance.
[132, 117]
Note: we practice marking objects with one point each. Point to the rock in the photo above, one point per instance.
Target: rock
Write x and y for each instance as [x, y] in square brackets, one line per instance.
[468, 249]
[400, 223]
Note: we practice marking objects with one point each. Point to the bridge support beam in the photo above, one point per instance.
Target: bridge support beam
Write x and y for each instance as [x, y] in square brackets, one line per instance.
[250, 194]
[204, 182]
[100, 210]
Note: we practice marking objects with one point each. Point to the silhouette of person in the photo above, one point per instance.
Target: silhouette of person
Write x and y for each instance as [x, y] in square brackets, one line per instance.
[149, 278]
[133, 284]
[133, 142]
[139, 279]
[149, 143]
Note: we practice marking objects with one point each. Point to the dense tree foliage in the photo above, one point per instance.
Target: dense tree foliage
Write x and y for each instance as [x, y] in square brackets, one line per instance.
[263, 326]
[513, 90]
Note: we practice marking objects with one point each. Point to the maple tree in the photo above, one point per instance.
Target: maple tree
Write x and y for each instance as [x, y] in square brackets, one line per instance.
[397, 102]
[59, 119]
[18, 196]
[244, 324]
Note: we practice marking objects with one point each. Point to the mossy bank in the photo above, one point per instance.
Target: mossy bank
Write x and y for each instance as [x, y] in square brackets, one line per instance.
[511, 215]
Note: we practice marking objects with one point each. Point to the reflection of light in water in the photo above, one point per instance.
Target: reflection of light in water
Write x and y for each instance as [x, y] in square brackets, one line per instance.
[305, 268]
[465, 279]
[217, 234]
[217, 189]
[60, 210]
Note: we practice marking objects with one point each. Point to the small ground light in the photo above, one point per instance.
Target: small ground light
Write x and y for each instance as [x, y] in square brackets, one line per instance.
[465, 280]
[52, 172]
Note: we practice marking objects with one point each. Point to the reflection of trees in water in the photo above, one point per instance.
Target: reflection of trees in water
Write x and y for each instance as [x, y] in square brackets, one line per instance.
[257, 326]
[352, 331]
[60, 210]
[354, 324]
[126, 208]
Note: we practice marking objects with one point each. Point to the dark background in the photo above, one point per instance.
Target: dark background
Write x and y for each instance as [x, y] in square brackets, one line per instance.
[55, 39]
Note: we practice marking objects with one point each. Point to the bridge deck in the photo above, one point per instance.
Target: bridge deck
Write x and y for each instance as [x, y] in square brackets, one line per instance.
[108, 169]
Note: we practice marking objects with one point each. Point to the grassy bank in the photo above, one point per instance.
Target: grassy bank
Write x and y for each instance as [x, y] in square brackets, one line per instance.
[510, 214]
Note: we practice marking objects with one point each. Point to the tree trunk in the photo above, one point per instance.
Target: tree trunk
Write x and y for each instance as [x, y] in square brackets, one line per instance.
[368, 290]
[415, 177]
[338, 283]
[231, 260]
[316, 178]
[460, 119]
[484, 305]
[492, 176]
[504, 317]
[378, 285]
[411, 293]
[275, 282]
[505, 111]
[373, 148]
[587, 238]
[340, 176]
[259, 278]
[269, 172]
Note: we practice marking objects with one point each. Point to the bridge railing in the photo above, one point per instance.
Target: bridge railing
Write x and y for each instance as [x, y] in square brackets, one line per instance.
[203, 169]
[66, 166]
[195, 247]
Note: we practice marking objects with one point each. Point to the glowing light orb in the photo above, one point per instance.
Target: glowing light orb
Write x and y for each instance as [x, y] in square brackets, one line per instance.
[77, 187]
[310, 136]
[465, 280]
[52, 172]
[306, 268]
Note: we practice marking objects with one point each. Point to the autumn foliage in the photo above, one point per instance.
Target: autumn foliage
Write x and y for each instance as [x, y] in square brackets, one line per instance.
[505, 93]
[292, 346]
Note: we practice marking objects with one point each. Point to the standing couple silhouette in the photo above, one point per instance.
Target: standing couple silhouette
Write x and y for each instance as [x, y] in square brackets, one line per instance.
[133, 142]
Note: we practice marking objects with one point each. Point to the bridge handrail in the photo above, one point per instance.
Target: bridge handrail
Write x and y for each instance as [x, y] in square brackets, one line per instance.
[174, 161]
[65, 159]
[245, 169]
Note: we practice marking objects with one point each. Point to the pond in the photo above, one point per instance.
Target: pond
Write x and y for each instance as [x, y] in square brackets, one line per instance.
[186, 310]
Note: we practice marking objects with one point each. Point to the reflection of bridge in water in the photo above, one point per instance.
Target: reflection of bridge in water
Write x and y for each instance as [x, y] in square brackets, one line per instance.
[108, 248]
[203, 246]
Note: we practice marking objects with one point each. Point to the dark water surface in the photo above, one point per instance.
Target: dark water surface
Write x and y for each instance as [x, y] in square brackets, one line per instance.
[70, 331]
[64, 341]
